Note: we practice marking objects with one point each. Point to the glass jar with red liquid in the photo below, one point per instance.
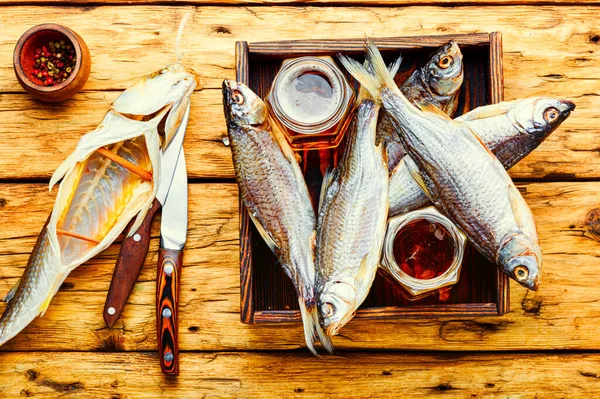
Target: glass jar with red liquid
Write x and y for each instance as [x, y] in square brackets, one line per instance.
[311, 99]
[423, 251]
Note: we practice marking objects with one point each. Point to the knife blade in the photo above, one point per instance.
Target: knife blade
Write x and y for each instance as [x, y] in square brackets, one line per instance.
[134, 248]
[173, 235]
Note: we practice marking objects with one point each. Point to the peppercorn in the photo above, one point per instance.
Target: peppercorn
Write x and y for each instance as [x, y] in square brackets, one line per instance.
[54, 62]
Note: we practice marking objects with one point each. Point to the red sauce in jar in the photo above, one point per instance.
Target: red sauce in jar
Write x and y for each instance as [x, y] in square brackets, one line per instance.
[423, 249]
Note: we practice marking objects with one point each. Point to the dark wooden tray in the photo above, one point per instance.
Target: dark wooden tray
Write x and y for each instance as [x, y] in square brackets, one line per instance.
[267, 295]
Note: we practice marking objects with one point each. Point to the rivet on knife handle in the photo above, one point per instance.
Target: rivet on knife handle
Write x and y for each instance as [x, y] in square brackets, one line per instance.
[129, 263]
[167, 298]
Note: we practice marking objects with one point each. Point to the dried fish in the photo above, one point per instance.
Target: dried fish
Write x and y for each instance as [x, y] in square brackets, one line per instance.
[511, 130]
[437, 82]
[351, 223]
[274, 192]
[98, 196]
[461, 176]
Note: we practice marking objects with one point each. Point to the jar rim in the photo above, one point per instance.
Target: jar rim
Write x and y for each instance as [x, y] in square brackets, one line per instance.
[415, 285]
[327, 121]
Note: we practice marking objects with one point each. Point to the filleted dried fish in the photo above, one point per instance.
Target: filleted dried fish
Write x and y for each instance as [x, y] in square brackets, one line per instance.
[461, 176]
[274, 192]
[98, 196]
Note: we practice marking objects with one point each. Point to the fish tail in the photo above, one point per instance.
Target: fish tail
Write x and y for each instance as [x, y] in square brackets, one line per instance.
[308, 320]
[367, 80]
[383, 75]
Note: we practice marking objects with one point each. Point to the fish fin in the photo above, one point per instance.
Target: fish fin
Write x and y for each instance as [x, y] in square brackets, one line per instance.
[417, 177]
[432, 109]
[264, 234]
[363, 93]
[327, 179]
[308, 322]
[395, 66]
[362, 274]
[382, 74]
[450, 106]
[487, 111]
[362, 75]
[522, 213]
[313, 241]
[12, 292]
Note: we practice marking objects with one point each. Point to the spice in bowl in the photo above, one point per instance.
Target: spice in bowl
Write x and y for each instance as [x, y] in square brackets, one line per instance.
[53, 63]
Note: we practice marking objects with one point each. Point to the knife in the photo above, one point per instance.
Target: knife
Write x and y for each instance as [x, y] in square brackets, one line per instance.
[173, 234]
[134, 248]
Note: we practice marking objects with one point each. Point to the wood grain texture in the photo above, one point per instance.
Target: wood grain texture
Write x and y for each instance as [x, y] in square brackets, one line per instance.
[300, 2]
[167, 309]
[294, 375]
[548, 50]
[563, 314]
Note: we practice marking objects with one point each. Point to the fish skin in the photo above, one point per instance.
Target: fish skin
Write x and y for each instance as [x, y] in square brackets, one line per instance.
[461, 176]
[86, 176]
[511, 130]
[275, 194]
[428, 84]
[351, 223]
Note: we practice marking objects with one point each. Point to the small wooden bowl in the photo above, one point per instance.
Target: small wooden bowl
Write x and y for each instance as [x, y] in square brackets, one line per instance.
[23, 61]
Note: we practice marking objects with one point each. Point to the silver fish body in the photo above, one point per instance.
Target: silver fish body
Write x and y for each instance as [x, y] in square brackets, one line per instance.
[511, 130]
[437, 82]
[462, 178]
[275, 194]
[351, 223]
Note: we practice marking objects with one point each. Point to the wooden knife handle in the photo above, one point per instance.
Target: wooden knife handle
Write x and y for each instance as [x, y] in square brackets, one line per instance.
[129, 263]
[167, 300]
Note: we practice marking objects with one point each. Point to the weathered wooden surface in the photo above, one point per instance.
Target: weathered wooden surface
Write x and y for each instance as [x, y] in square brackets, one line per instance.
[293, 375]
[563, 314]
[548, 50]
[552, 50]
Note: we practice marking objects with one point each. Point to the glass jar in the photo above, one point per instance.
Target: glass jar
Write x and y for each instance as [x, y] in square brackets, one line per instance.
[310, 99]
[423, 251]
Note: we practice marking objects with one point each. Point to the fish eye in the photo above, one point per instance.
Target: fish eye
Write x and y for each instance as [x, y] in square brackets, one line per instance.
[521, 273]
[551, 114]
[445, 62]
[328, 309]
[237, 97]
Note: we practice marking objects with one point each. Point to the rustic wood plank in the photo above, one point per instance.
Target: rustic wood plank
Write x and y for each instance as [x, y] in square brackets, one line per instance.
[563, 314]
[250, 375]
[46, 133]
[554, 53]
[299, 2]
[542, 45]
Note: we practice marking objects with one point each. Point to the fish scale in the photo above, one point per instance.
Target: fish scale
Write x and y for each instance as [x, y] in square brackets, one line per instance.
[351, 222]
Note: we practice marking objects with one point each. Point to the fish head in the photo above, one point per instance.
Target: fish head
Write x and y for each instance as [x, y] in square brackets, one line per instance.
[521, 259]
[336, 303]
[163, 94]
[444, 71]
[241, 105]
[540, 116]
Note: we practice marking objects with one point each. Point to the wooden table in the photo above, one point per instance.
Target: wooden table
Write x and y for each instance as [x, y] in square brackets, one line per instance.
[547, 346]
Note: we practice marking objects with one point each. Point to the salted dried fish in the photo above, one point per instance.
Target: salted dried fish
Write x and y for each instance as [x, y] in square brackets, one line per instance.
[511, 130]
[351, 222]
[461, 177]
[437, 82]
[275, 194]
[97, 196]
